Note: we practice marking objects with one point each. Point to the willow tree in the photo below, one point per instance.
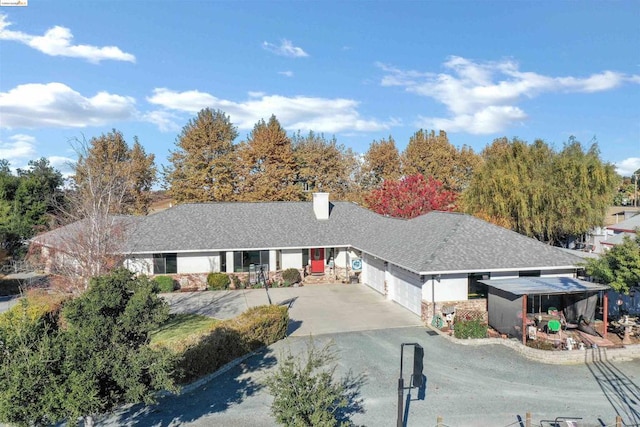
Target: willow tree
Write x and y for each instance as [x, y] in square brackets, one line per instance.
[539, 192]
[381, 162]
[202, 166]
[266, 165]
[434, 156]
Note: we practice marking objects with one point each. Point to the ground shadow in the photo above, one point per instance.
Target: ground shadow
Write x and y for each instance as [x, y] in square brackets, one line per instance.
[294, 325]
[216, 395]
[619, 389]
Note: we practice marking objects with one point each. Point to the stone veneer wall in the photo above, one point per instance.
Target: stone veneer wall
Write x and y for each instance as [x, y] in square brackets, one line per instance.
[428, 312]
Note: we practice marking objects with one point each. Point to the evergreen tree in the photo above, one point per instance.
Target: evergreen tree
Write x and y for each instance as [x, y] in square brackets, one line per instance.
[619, 267]
[202, 166]
[267, 169]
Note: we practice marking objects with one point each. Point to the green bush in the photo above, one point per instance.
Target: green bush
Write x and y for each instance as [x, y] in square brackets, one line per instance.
[471, 328]
[237, 283]
[291, 276]
[253, 329]
[218, 281]
[165, 283]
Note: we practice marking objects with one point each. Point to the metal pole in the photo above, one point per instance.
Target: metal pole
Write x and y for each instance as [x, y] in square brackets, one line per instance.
[400, 400]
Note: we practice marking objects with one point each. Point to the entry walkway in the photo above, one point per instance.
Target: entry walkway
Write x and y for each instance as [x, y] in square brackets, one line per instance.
[316, 309]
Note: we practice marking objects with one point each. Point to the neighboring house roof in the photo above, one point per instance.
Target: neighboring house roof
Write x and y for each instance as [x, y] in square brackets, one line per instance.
[432, 243]
[626, 226]
[617, 239]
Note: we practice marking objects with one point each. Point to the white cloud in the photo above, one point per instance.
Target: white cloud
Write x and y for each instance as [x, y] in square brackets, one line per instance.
[57, 41]
[57, 105]
[287, 73]
[286, 48]
[62, 164]
[294, 113]
[628, 166]
[482, 98]
[18, 148]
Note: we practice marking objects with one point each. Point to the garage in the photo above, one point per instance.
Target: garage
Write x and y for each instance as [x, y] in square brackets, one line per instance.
[373, 272]
[404, 290]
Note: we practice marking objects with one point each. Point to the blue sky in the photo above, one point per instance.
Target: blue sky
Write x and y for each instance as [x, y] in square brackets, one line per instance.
[359, 70]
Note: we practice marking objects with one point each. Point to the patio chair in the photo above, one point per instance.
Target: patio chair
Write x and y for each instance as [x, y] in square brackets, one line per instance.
[553, 326]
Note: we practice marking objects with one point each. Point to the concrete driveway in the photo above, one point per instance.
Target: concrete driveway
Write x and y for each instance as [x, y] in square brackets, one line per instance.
[313, 310]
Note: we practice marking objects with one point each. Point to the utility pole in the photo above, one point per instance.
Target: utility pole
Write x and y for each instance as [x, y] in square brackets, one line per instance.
[635, 188]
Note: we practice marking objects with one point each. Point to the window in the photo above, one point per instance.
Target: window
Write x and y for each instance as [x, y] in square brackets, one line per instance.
[477, 289]
[243, 259]
[223, 262]
[165, 263]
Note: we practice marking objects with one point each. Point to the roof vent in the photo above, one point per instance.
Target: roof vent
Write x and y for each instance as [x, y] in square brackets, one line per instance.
[321, 205]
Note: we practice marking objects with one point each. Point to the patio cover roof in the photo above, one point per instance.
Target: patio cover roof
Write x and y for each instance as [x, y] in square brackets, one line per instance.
[544, 285]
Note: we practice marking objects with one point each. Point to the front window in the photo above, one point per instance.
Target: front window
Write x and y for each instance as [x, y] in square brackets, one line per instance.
[477, 289]
[165, 263]
[243, 259]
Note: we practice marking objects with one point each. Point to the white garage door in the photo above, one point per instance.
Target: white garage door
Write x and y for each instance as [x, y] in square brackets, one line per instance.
[405, 291]
[373, 273]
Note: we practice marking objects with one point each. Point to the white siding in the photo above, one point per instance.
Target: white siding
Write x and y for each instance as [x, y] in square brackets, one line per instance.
[454, 287]
[373, 274]
[291, 258]
[201, 262]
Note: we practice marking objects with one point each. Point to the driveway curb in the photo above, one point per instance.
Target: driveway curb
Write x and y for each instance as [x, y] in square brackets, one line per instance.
[600, 354]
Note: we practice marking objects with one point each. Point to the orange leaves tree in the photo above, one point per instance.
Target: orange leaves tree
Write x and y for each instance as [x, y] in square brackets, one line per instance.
[410, 197]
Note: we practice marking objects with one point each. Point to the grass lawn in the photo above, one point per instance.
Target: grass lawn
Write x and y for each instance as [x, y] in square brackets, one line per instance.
[182, 326]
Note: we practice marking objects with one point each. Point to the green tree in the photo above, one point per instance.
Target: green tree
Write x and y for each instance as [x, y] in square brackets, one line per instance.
[202, 166]
[91, 358]
[434, 156]
[27, 202]
[267, 168]
[306, 392]
[324, 165]
[619, 267]
[539, 192]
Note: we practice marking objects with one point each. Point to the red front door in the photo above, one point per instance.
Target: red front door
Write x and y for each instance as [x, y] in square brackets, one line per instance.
[317, 260]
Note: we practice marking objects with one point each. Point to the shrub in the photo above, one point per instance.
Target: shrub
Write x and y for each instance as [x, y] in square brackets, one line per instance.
[237, 283]
[218, 281]
[306, 391]
[291, 276]
[230, 339]
[470, 328]
[165, 283]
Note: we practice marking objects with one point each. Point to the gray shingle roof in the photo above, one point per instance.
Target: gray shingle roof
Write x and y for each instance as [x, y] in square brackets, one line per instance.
[435, 242]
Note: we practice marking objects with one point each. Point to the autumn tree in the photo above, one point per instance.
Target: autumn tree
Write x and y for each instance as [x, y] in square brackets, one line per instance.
[202, 166]
[381, 162]
[539, 192]
[434, 156]
[109, 159]
[324, 165]
[267, 169]
[410, 197]
[109, 179]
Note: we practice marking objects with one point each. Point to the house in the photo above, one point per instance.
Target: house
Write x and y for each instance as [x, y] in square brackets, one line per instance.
[615, 233]
[435, 260]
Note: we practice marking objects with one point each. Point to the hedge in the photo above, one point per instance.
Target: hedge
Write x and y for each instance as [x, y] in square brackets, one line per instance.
[218, 281]
[257, 327]
[165, 284]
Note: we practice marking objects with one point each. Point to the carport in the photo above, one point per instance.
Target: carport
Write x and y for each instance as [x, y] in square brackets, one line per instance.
[509, 299]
